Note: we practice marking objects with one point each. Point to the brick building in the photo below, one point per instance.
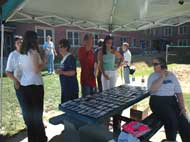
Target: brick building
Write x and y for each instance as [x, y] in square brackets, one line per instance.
[151, 39]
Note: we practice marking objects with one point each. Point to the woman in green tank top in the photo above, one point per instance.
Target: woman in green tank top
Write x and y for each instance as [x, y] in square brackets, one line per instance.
[107, 63]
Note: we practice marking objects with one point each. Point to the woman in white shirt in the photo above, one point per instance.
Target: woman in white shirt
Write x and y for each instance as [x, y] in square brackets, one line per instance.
[32, 90]
[167, 102]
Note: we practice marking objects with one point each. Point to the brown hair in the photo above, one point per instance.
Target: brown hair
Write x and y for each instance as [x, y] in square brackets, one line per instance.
[30, 41]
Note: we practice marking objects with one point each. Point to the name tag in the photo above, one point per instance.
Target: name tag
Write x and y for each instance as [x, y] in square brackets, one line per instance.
[167, 81]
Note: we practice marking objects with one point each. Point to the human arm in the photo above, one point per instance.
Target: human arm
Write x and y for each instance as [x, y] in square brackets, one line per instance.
[66, 73]
[10, 68]
[12, 77]
[54, 51]
[100, 64]
[181, 103]
[119, 56]
[96, 69]
[38, 62]
[120, 62]
[179, 94]
[69, 67]
[155, 85]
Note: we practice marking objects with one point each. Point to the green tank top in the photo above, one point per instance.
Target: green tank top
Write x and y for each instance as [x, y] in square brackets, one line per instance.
[109, 61]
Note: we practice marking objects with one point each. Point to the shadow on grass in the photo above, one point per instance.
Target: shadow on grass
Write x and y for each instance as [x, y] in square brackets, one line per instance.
[14, 138]
[45, 74]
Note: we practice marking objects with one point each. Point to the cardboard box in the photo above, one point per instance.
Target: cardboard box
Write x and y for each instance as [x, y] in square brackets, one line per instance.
[138, 112]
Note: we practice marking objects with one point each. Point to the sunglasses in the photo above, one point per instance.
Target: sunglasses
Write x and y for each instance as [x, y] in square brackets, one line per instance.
[155, 64]
[19, 42]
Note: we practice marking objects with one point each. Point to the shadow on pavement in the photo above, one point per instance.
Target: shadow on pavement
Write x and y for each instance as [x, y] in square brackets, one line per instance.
[58, 138]
[14, 138]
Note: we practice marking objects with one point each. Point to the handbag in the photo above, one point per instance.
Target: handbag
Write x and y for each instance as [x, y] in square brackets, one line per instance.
[131, 70]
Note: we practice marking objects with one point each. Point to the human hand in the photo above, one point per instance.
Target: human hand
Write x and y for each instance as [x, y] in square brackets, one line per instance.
[126, 63]
[183, 111]
[106, 77]
[34, 52]
[58, 71]
[44, 58]
[163, 73]
[17, 84]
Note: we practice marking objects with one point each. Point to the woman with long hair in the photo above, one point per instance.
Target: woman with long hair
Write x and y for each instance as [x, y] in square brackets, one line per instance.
[107, 63]
[32, 90]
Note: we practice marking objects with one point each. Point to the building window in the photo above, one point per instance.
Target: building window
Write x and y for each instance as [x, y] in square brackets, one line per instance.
[147, 43]
[134, 43]
[183, 30]
[142, 43]
[183, 42]
[8, 46]
[43, 32]
[74, 38]
[96, 38]
[122, 40]
[9, 43]
[168, 31]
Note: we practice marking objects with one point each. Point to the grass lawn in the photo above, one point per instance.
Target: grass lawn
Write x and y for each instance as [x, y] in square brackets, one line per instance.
[12, 119]
[187, 101]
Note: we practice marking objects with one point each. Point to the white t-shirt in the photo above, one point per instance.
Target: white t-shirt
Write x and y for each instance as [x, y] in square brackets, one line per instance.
[169, 87]
[29, 77]
[49, 47]
[127, 57]
[12, 64]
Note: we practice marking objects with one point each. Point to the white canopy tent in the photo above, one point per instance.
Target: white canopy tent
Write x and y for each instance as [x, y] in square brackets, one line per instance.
[108, 15]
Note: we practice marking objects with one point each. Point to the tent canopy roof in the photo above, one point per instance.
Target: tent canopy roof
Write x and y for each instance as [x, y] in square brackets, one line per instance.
[109, 15]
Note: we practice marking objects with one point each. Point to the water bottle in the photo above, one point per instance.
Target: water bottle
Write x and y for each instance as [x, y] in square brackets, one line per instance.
[143, 82]
[133, 80]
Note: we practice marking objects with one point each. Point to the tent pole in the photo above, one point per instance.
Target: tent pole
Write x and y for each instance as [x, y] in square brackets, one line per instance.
[1, 75]
[167, 46]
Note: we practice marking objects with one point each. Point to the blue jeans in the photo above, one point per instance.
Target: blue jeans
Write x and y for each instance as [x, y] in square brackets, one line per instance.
[126, 75]
[21, 102]
[87, 90]
[50, 63]
[67, 97]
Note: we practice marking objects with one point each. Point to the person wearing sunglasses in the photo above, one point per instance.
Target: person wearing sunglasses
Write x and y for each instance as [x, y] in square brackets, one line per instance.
[167, 102]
